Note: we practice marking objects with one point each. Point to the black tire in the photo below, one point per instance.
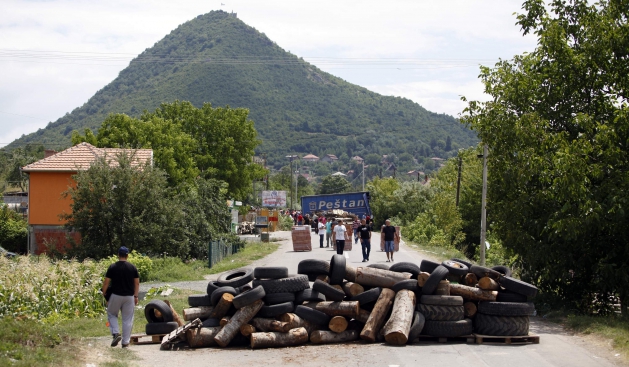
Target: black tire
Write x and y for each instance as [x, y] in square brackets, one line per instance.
[235, 278]
[416, 327]
[438, 300]
[465, 262]
[314, 316]
[313, 266]
[455, 267]
[448, 329]
[410, 284]
[272, 311]
[437, 275]
[337, 269]
[211, 287]
[162, 307]
[196, 300]
[211, 323]
[312, 277]
[501, 325]
[244, 288]
[156, 328]
[308, 295]
[506, 296]
[277, 298]
[330, 293]
[367, 297]
[518, 286]
[481, 271]
[291, 284]
[379, 266]
[505, 271]
[406, 267]
[441, 313]
[248, 297]
[217, 294]
[428, 266]
[270, 272]
[506, 308]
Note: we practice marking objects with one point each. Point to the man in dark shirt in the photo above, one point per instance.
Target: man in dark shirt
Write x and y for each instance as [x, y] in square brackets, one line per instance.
[125, 285]
[390, 235]
[365, 239]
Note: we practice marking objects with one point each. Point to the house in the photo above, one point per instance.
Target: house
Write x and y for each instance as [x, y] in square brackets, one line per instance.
[358, 159]
[330, 158]
[338, 174]
[49, 178]
[310, 158]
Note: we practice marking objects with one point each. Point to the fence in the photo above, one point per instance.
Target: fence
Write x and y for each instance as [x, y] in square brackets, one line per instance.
[220, 249]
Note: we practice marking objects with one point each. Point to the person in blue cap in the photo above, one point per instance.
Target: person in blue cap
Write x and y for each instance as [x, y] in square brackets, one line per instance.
[125, 285]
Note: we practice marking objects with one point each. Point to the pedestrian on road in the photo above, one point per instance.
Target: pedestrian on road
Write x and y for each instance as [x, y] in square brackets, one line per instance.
[328, 232]
[390, 235]
[125, 283]
[321, 228]
[307, 220]
[339, 236]
[300, 219]
[365, 239]
[355, 226]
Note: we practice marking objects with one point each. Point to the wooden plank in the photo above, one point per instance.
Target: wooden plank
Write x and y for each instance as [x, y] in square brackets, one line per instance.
[470, 339]
[139, 339]
[169, 338]
[520, 339]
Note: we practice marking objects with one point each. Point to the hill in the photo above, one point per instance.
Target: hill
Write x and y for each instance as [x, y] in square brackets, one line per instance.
[296, 107]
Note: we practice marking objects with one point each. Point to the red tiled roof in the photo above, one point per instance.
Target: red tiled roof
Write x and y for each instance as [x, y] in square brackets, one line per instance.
[81, 157]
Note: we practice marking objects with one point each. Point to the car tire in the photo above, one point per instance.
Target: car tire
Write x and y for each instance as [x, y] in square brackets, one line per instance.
[330, 293]
[217, 294]
[308, 295]
[273, 311]
[441, 313]
[481, 271]
[196, 300]
[448, 329]
[337, 269]
[427, 266]
[518, 286]
[290, 284]
[313, 266]
[416, 327]
[314, 316]
[270, 272]
[277, 298]
[248, 297]
[156, 328]
[501, 325]
[438, 300]
[455, 267]
[367, 297]
[162, 307]
[437, 275]
[506, 308]
[409, 284]
[405, 267]
[235, 278]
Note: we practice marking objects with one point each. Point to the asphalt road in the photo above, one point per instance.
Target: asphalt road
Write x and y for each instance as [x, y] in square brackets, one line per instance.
[556, 347]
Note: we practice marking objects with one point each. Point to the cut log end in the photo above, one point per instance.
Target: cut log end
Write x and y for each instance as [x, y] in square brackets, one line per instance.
[422, 278]
[338, 324]
[488, 284]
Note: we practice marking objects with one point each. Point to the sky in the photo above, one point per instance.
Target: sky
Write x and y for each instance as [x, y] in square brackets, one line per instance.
[55, 54]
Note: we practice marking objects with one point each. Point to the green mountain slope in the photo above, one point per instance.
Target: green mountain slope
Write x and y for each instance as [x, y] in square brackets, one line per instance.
[296, 107]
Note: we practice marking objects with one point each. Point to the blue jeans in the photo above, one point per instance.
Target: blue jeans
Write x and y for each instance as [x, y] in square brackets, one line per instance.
[389, 246]
[366, 244]
[321, 235]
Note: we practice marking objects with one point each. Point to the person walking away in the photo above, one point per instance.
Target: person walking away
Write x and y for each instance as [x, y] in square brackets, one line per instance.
[390, 235]
[300, 219]
[339, 236]
[307, 220]
[328, 232]
[321, 228]
[355, 226]
[364, 232]
[125, 283]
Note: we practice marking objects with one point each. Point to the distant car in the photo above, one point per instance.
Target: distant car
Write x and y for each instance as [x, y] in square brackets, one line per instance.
[6, 253]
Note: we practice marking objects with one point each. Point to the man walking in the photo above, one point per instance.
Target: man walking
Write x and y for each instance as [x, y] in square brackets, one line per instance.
[390, 235]
[321, 228]
[365, 239]
[355, 226]
[125, 285]
[328, 232]
[339, 236]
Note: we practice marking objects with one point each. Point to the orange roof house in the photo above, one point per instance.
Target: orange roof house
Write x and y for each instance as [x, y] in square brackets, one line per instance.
[49, 178]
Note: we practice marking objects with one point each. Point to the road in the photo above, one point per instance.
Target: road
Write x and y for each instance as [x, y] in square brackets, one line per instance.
[556, 348]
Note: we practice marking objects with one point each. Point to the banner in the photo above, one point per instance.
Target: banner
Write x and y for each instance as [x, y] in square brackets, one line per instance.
[353, 202]
[275, 199]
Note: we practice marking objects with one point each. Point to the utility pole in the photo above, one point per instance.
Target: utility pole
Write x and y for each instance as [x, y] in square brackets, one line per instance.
[483, 218]
[296, 181]
[363, 175]
[290, 183]
[458, 182]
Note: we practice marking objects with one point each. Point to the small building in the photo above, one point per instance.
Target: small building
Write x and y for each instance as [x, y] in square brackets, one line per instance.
[358, 159]
[330, 158]
[338, 174]
[49, 178]
[310, 158]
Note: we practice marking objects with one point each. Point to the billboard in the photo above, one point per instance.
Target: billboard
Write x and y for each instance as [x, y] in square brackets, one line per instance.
[274, 199]
[353, 202]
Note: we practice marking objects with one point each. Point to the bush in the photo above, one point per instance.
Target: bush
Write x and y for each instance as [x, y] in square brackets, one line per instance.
[13, 230]
[286, 223]
[143, 263]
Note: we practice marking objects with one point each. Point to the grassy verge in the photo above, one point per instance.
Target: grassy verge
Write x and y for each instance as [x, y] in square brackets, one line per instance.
[436, 252]
[614, 328]
[253, 251]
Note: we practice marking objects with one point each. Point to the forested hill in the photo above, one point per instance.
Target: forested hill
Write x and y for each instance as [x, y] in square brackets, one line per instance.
[296, 107]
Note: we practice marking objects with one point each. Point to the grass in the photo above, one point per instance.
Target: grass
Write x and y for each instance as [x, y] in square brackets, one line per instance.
[615, 328]
[253, 251]
[437, 252]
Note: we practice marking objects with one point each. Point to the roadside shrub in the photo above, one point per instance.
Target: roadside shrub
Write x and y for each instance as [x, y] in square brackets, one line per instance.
[285, 223]
[143, 263]
[13, 230]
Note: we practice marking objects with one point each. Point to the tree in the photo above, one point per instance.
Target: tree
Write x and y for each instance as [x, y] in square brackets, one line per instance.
[557, 129]
[334, 185]
[13, 230]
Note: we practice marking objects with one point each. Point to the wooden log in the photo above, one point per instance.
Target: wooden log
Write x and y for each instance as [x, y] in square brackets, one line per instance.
[399, 325]
[350, 273]
[488, 284]
[311, 304]
[469, 309]
[377, 317]
[293, 320]
[474, 294]
[274, 339]
[323, 278]
[379, 277]
[176, 316]
[224, 320]
[266, 325]
[338, 324]
[247, 329]
[422, 278]
[471, 280]
[363, 316]
[325, 337]
[201, 312]
[242, 316]
[443, 289]
[223, 306]
[202, 337]
[343, 308]
[352, 289]
[337, 287]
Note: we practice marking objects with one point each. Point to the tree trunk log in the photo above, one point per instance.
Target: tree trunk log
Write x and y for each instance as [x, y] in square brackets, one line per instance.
[469, 309]
[471, 280]
[324, 337]
[296, 322]
[266, 325]
[350, 273]
[202, 337]
[422, 278]
[363, 316]
[344, 308]
[352, 289]
[270, 340]
[338, 324]
[471, 293]
[323, 278]
[443, 289]
[378, 314]
[223, 306]
[242, 316]
[379, 277]
[247, 329]
[311, 304]
[224, 321]
[201, 312]
[488, 284]
[399, 325]
[176, 316]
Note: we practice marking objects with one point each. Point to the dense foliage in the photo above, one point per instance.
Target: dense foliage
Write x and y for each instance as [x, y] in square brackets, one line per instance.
[11, 177]
[334, 185]
[391, 198]
[13, 230]
[557, 126]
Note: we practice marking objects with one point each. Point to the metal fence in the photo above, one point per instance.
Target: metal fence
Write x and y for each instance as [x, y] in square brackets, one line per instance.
[220, 249]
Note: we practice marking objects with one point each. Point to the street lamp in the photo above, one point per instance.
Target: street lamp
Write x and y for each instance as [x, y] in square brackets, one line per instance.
[290, 185]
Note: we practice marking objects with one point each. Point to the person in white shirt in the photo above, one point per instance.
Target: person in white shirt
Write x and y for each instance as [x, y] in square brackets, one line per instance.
[321, 227]
[339, 236]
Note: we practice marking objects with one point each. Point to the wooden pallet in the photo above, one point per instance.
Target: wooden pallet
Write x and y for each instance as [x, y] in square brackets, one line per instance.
[140, 339]
[524, 339]
[169, 338]
[465, 338]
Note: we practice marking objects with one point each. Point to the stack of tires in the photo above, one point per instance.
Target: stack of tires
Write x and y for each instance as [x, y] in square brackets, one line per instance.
[159, 317]
[444, 316]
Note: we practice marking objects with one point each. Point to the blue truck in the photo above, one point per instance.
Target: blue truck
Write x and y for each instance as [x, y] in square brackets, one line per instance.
[353, 202]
